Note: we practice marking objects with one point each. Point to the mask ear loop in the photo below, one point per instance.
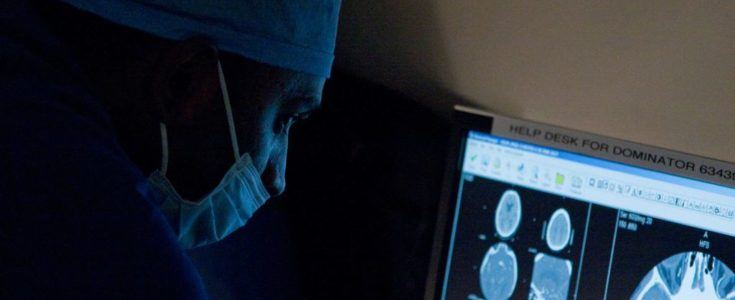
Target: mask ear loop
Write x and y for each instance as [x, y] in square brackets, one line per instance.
[164, 148]
[228, 110]
[230, 123]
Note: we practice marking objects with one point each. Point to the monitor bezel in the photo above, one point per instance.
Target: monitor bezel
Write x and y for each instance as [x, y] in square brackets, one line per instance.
[467, 119]
[464, 120]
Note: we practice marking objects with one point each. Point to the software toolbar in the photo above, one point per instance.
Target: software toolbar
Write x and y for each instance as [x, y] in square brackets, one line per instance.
[544, 170]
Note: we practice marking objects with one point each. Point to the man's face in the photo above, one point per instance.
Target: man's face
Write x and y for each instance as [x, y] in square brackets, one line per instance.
[266, 102]
[265, 108]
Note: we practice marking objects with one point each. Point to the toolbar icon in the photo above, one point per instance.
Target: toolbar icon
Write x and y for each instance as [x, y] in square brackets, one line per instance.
[576, 182]
[559, 180]
[496, 163]
[485, 160]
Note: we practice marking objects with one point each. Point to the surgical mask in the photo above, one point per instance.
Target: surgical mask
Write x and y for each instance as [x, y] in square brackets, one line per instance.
[226, 208]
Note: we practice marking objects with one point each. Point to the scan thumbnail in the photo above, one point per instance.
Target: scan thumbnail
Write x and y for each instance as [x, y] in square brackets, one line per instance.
[498, 272]
[559, 230]
[551, 278]
[508, 214]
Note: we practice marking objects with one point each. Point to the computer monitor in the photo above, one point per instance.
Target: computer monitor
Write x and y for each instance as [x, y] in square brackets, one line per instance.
[533, 211]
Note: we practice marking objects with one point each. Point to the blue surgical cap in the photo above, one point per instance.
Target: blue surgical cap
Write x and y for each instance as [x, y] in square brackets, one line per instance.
[296, 34]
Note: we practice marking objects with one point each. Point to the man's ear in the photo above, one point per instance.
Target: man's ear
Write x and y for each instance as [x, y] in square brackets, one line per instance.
[185, 81]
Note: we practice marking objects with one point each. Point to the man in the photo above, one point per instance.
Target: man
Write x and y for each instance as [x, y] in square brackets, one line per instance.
[132, 130]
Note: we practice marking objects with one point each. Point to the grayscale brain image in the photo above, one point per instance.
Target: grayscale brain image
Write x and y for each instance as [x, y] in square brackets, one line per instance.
[508, 214]
[498, 272]
[689, 275]
[657, 259]
[559, 230]
[515, 242]
[551, 277]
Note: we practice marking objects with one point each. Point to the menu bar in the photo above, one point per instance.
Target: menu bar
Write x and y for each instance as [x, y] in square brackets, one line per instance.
[545, 170]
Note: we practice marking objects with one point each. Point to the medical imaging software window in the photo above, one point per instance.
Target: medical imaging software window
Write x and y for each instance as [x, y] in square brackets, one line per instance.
[537, 223]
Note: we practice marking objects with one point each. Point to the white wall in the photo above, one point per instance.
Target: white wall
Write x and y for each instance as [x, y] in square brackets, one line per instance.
[658, 72]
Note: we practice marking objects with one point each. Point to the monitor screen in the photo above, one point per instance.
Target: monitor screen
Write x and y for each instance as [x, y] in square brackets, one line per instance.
[535, 222]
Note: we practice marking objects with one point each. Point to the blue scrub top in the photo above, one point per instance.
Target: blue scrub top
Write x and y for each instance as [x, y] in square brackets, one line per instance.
[78, 219]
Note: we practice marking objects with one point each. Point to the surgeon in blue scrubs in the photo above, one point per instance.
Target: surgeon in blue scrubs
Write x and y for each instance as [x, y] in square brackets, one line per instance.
[133, 130]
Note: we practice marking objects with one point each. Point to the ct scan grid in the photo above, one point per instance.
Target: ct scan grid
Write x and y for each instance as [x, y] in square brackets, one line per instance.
[535, 223]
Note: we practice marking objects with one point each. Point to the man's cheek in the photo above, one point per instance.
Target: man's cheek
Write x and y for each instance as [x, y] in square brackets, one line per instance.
[260, 148]
[259, 138]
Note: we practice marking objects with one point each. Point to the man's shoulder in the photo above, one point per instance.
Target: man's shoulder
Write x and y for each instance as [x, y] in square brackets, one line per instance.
[79, 215]
[29, 79]
[76, 213]
[54, 134]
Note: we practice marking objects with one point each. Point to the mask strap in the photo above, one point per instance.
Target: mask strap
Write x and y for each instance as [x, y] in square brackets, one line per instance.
[164, 148]
[230, 123]
[228, 110]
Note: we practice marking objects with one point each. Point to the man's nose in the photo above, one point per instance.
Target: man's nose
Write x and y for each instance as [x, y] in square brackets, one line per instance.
[274, 181]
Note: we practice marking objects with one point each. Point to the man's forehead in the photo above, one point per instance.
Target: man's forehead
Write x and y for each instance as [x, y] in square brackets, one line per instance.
[292, 91]
[286, 82]
[305, 86]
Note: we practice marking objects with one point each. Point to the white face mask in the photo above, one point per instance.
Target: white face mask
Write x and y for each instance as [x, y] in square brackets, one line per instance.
[226, 208]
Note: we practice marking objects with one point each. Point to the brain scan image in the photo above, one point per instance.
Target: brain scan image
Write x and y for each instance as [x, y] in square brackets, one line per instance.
[551, 277]
[688, 275]
[559, 230]
[508, 214]
[498, 272]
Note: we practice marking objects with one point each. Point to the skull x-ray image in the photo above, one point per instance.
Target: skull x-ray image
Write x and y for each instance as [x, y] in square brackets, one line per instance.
[551, 278]
[559, 230]
[498, 272]
[508, 214]
[689, 275]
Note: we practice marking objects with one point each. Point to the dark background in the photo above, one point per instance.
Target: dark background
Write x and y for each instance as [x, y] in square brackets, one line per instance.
[357, 219]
